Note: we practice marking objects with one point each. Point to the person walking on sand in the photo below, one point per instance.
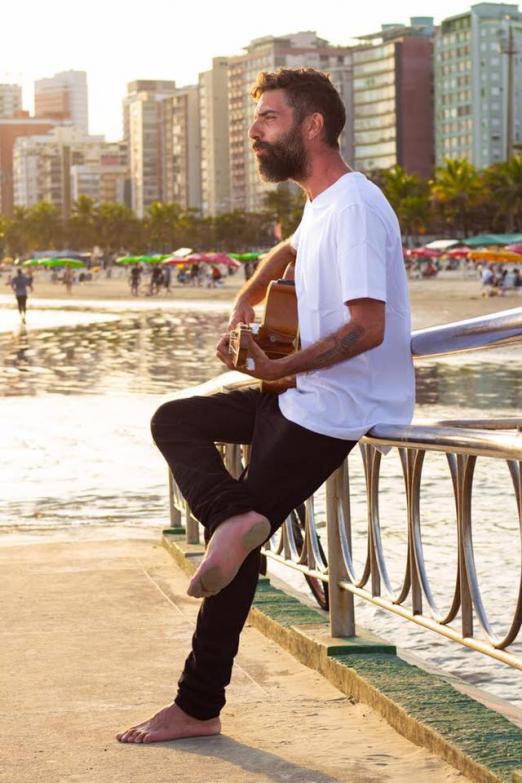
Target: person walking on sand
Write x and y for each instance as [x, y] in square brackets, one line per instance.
[353, 370]
[68, 279]
[20, 284]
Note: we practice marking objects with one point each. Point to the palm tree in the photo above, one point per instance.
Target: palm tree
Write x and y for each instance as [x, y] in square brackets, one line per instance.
[285, 206]
[409, 196]
[505, 183]
[458, 191]
[161, 226]
[45, 226]
[81, 226]
[16, 233]
[117, 226]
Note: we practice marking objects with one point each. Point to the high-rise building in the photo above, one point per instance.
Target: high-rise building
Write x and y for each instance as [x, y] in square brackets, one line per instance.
[478, 84]
[393, 98]
[12, 129]
[302, 49]
[147, 110]
[104, 179]
[215, 159]
[59, 166]
[10, 100]
[63, 97]
[184, 161]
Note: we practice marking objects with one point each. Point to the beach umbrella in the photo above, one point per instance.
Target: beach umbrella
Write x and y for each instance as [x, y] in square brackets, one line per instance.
[495, 256]
[34, 262]
[67, 254]
[52, 263]
[423, 252]
[245, 256]
[125, 260]
[516, 248]
[155, 259]
[458, 252]
[173, 261]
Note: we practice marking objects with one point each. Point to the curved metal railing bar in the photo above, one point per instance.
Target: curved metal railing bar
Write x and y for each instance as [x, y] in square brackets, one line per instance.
[462, 441]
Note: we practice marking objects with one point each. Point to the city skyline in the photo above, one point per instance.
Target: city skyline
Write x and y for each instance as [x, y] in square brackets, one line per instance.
[165, 46]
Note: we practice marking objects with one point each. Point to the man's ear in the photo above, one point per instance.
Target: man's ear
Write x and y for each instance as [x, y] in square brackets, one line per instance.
[315, 126]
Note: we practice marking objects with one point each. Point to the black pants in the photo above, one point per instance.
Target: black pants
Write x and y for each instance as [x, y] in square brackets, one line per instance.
[288, 463]
[22, 303]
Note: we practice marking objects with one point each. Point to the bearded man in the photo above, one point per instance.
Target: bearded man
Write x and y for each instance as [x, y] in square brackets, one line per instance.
[353, 371]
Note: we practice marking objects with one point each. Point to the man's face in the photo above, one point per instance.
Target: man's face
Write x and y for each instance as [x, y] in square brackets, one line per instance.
[277, 139]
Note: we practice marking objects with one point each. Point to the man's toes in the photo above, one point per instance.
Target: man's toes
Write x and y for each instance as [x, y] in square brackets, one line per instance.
[128, 736]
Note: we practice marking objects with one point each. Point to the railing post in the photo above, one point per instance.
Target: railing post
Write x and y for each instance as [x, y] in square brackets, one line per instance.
[192, 527]
[342, 616]
[464, 520]
[174, 512]
[416, 588]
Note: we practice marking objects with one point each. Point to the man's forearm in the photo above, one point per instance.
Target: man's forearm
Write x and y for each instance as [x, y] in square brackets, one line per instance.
[345, 343]
[271, 268]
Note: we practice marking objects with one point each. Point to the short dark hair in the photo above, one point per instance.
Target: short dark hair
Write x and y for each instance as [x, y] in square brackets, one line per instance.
[308, 90]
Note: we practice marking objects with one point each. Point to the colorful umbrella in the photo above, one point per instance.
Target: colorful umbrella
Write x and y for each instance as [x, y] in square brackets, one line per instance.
[245, 256]
[173, 261]
[423, 252]
[124, 260]
[458, 252]
[495, 256]
[516, 248]
[156, 259]
[74, 263]
[35, 261]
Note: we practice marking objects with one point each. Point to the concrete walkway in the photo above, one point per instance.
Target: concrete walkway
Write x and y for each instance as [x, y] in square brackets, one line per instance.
[94, 635]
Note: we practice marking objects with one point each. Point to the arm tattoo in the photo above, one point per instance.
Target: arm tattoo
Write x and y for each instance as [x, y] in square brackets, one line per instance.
[341, 349]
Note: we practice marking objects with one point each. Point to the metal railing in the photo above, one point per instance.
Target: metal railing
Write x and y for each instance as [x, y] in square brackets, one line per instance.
[462, 442]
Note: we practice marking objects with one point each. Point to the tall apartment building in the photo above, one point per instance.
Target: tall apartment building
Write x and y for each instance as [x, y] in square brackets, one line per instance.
[393, 98]
[12, 129]
[105, 179]
[215, 159]
[184, 161]
[478, 84]
[63, 97]
[147, 121]
[303, 49]
[10, 100]
[54, 168]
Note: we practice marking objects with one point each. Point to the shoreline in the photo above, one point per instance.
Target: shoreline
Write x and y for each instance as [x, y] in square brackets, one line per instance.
[449, 297]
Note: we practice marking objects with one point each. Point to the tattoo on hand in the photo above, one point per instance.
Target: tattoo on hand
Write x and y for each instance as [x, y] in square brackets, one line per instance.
[341, 349]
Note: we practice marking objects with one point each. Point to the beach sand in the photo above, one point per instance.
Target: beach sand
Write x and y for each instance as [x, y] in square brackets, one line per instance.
[448, 297]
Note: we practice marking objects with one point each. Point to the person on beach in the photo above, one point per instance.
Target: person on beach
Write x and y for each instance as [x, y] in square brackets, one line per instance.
[352, 371]
[20, 284]
[135, 279]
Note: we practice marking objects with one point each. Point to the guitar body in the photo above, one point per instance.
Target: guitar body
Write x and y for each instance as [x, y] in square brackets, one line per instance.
[277, 335]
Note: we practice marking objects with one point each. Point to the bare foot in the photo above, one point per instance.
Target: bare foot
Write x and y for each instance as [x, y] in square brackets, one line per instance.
[230, 544]
[170, 723]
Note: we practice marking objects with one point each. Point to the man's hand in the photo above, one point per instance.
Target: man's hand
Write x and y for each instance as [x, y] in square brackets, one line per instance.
[264, 368]
[243, 313]
[223, 353]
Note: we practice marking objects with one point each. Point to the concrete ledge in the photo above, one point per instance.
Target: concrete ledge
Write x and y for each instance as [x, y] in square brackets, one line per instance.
[423, 707]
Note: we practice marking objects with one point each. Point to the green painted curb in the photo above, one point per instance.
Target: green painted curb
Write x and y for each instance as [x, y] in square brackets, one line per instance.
[423, 707]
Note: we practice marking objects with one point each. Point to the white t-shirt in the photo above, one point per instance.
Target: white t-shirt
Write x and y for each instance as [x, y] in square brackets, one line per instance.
[349, 247]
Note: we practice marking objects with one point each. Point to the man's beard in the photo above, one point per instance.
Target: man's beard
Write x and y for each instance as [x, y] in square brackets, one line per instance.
[284, 159]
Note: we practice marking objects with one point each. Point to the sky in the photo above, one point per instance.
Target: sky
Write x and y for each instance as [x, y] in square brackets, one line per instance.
[117, 42]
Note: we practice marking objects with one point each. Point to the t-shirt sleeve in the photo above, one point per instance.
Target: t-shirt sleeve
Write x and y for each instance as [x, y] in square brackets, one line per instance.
[361, 253]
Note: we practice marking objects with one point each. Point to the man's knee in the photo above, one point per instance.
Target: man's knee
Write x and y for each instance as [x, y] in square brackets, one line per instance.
[169, 415]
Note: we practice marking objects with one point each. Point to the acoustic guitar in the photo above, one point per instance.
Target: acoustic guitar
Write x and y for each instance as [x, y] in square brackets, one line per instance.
[276, 335]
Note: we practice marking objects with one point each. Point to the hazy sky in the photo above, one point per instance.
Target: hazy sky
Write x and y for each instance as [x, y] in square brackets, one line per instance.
[117, 42]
